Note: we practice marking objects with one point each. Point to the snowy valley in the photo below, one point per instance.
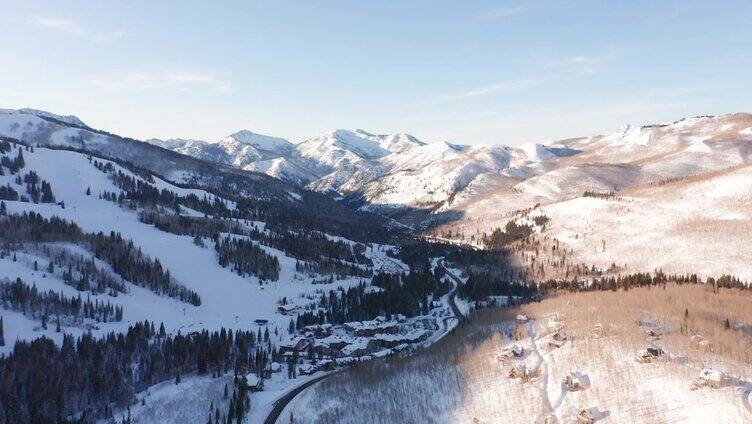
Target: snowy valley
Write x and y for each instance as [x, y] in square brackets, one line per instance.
[252, 278]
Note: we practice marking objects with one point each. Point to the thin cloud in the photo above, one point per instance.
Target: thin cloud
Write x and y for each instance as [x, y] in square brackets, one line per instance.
[175, 80]
[72, 27]
[499, 87]
[502, 12]
[68, 26]
[578, 64]
[115, 35]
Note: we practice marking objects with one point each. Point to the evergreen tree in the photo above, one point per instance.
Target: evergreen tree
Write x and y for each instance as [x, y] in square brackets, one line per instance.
[2, 332]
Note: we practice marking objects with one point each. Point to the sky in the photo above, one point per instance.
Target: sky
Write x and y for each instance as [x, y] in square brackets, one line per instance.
[467, 72]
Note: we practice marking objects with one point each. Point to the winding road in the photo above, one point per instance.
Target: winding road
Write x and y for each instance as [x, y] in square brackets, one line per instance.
[281, 403]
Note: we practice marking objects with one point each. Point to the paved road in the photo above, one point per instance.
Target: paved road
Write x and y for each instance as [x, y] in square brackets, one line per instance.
[453, 295]
[281, 403]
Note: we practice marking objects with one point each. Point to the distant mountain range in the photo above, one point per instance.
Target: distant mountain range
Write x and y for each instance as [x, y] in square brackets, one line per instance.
[400, 175]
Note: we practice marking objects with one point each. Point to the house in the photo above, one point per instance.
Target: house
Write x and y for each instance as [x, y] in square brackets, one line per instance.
[307, 369]
[371, 328]
[512, 351]
[392, 340]
[359, 347]
[261, 322]
[585, 417]
[523, 372]
[331, 346]
[382, 353]
[709, 378]
[572, 383]
[651, 354]
[298, 345]
[254, 383]
[318, 330]
[522, 318]
[347, 360]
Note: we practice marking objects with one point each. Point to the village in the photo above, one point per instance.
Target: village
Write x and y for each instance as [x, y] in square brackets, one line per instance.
[321, 348]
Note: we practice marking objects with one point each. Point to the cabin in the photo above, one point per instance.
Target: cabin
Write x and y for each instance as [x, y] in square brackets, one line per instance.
[307, 369]
[331, 346]
[255, 384]
[371, 328]
[586, 416]
[651, 354]
[359, 347]
[522, 318]
[392, 340]
[261, 322]
[512, 351]
[573, 383]
[294, 346]
[709, 378]
[523, 372]
[318, 330]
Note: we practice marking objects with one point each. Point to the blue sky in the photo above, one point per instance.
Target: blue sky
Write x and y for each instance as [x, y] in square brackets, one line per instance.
[466, 72]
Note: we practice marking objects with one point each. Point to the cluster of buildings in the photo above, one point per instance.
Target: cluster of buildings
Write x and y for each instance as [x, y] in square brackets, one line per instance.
[324, 346]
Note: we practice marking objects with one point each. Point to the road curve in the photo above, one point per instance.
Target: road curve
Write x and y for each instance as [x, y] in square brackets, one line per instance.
[281, 403]
[455, 310]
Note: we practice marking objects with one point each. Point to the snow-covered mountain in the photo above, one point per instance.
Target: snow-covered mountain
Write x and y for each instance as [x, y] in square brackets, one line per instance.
[399, 174]
[402, 176]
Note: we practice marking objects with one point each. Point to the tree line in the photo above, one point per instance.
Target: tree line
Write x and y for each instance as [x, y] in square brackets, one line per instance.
[42, 305]
[80, 380]
[122, 255]
[405, 294]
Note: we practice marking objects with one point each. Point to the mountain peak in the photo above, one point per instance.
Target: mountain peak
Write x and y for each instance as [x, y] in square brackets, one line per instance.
[258, 141]
[65, 119]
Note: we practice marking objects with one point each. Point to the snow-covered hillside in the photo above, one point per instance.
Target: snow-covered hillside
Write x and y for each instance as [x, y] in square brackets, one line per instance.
[227, 299]
[573, 355]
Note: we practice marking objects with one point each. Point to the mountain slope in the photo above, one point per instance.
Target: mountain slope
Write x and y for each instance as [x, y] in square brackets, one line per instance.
[182, 169]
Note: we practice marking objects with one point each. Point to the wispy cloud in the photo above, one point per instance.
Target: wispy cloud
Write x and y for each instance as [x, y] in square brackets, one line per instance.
[68, 26]
[503, 12]
[176, 80]
[501, 87]
[578, 64]
[111, 36]
[73, 27]
[495, 88]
